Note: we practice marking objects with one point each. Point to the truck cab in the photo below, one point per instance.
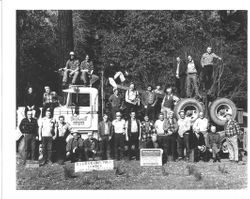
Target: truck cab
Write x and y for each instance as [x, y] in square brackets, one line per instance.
[80, 109]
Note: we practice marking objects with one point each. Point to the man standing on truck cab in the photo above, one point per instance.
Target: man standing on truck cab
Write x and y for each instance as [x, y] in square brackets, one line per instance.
[47, 135]
[50, 100]
[232, 130]
[207, 63]
[105, 135]
[118, 129]
[29, 129]
[71, 69]
[116, 101]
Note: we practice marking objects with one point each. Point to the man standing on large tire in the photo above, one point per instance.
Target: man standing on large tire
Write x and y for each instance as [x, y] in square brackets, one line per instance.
[207, 63]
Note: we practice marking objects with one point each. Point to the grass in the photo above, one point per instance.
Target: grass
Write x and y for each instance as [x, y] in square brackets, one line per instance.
[129, 175]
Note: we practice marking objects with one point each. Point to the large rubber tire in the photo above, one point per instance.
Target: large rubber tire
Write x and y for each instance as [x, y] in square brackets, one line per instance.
[189, 104]
[218, 109]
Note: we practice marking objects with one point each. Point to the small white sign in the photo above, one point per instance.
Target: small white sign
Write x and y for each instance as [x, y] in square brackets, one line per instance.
[151, 157]
[94, 165]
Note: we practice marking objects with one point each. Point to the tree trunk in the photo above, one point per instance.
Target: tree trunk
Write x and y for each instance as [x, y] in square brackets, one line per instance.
[65, 29]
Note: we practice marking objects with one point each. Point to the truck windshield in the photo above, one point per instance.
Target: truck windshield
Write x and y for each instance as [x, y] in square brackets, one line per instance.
[79, 99]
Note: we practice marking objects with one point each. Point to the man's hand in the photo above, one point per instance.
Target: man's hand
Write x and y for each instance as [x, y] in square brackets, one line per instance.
[139, 138]
[211, 150]
[54, 137]
[177, 76]
[94, 151]
[126, 138]
[146, 106]
[170, 132]
[68, 154]
[110, 137]
[74, 150]
[40, 138]
[37, 138]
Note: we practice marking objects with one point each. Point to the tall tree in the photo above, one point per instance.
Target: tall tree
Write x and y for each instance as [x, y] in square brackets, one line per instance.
[65, 30]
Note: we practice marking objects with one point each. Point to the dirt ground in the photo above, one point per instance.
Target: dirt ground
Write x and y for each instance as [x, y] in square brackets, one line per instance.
[129, 175]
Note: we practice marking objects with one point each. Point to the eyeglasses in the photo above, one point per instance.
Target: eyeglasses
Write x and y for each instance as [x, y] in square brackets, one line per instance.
[118, 116]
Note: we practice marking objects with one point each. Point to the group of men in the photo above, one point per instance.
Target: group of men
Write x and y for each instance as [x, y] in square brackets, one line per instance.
[179, 137]
[123, 134]
[188, 73]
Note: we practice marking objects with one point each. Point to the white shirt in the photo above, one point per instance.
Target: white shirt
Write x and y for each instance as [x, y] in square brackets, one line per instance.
[191, 67]
[62, 129]
[119, 126]
[183, 126]
[106, 128]
[47, 126]
[159, 127]
[134, 127]
[202, 124]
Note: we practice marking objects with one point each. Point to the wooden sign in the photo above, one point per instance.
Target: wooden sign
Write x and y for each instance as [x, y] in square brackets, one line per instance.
[151, 157]
[94, 165]
[32, 164]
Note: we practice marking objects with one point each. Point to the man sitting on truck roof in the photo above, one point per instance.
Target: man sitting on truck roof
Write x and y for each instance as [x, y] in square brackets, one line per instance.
[71, 69]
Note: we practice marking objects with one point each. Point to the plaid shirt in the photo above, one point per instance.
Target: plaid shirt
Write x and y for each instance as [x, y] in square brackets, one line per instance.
[147, 129]
[29, 126]
[170, 125]
[50, 97]
[231, 128]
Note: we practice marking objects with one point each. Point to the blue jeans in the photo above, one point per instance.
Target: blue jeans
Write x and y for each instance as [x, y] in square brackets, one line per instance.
[47, 148]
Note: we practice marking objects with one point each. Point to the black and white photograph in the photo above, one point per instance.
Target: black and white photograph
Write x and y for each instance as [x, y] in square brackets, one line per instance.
[130, 99]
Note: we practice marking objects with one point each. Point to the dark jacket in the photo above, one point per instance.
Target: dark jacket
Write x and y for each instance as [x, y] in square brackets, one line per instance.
[29, 127]
[91, 144]
[115, 101]
[214, 139]
[30, 100]
[74, 142]
[101, 128]
[129, 126]
[182, 68]
[195, 141]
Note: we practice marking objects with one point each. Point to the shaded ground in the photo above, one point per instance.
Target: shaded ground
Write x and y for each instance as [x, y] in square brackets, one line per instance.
[130, 175]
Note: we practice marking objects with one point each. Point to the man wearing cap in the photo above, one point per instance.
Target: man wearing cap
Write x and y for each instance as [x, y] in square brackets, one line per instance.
[149, 100]
[104, 130]
[118, 130]
[50, 100]
[62, 131]
[29, 129]
[71, 69]
[184, 126]
[232, 130]
[207, 63]
[75, 148]
[170, 127]
[133, 135]
[47, 135]
[116, 101]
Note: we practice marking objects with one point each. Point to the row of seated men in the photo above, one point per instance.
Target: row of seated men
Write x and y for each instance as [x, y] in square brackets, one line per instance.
[180, 139]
